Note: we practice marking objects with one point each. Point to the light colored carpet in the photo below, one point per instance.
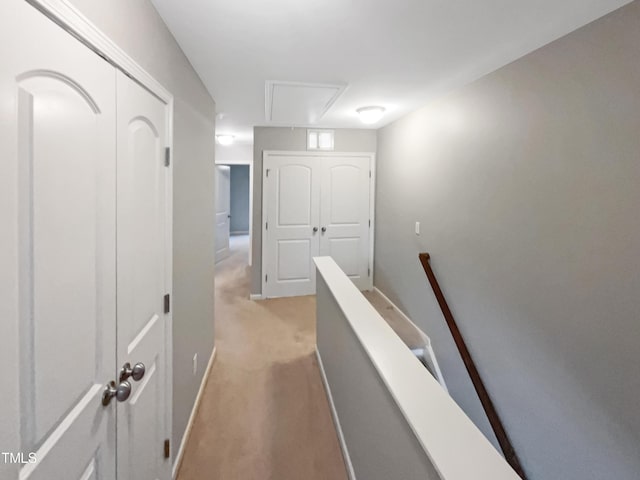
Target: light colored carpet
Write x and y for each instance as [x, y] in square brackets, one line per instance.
[264, 412]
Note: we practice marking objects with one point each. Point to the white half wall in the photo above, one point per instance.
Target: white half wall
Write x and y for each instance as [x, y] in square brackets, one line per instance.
[394, 420]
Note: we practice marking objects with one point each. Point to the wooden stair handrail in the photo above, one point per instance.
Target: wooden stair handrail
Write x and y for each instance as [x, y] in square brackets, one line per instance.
[485, 399]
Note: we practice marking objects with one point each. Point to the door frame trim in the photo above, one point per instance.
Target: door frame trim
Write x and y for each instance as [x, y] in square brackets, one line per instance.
[77, 24]
[304, 153]
[69, 18]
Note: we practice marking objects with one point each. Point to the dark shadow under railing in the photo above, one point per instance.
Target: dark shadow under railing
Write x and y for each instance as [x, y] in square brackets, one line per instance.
[478, 384]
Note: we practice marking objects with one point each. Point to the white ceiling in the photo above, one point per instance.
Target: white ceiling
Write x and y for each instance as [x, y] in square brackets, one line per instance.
[393, 53]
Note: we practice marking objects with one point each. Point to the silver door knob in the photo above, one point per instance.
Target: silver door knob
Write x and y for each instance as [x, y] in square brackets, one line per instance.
[121, 392]
[315, 229]
[137, 372]
[324, 229]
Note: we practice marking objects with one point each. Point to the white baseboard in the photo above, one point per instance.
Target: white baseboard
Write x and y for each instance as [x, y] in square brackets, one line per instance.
[336, 421]
[256, 296]
[427, 347]
[192, 417]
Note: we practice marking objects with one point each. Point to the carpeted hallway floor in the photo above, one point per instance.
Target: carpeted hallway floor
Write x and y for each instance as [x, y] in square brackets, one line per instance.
[264, 413]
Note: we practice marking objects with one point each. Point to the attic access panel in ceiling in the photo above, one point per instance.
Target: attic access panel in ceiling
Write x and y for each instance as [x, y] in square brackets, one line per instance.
[299, 104]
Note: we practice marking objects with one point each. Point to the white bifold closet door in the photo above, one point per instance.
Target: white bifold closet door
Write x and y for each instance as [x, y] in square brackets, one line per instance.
[82, 259]
[313, 206]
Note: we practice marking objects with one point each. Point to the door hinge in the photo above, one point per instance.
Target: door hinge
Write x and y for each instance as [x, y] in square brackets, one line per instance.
[266, 226]
[369, 173]
[167, 156]
[369, 223]
[167, 448]
[369, 272]
[266, 278]
[268, 172]
[167, 303]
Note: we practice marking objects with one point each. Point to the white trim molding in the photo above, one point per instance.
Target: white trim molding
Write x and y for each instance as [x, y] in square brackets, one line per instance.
[71, 19]
[314, 153]
[194, 411]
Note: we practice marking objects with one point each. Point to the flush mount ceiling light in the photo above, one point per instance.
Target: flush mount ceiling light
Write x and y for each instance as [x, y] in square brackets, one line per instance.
[225, 139]
[369, 115]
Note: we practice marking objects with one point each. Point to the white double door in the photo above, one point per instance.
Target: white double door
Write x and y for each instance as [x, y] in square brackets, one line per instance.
[315, 206]
[83, 260]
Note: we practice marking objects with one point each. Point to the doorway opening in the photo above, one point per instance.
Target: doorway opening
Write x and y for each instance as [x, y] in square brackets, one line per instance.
[240, 185]
[237, 158]
[234, 210]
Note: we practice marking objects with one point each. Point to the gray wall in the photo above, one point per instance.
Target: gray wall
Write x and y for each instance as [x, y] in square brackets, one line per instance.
[138, 29]
[381, 444]
[291, 139]
[239, 198]
[527, 186]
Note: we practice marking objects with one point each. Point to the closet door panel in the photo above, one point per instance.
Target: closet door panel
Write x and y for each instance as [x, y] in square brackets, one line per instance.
[344, 215]
[142, 259]
[292, 195]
